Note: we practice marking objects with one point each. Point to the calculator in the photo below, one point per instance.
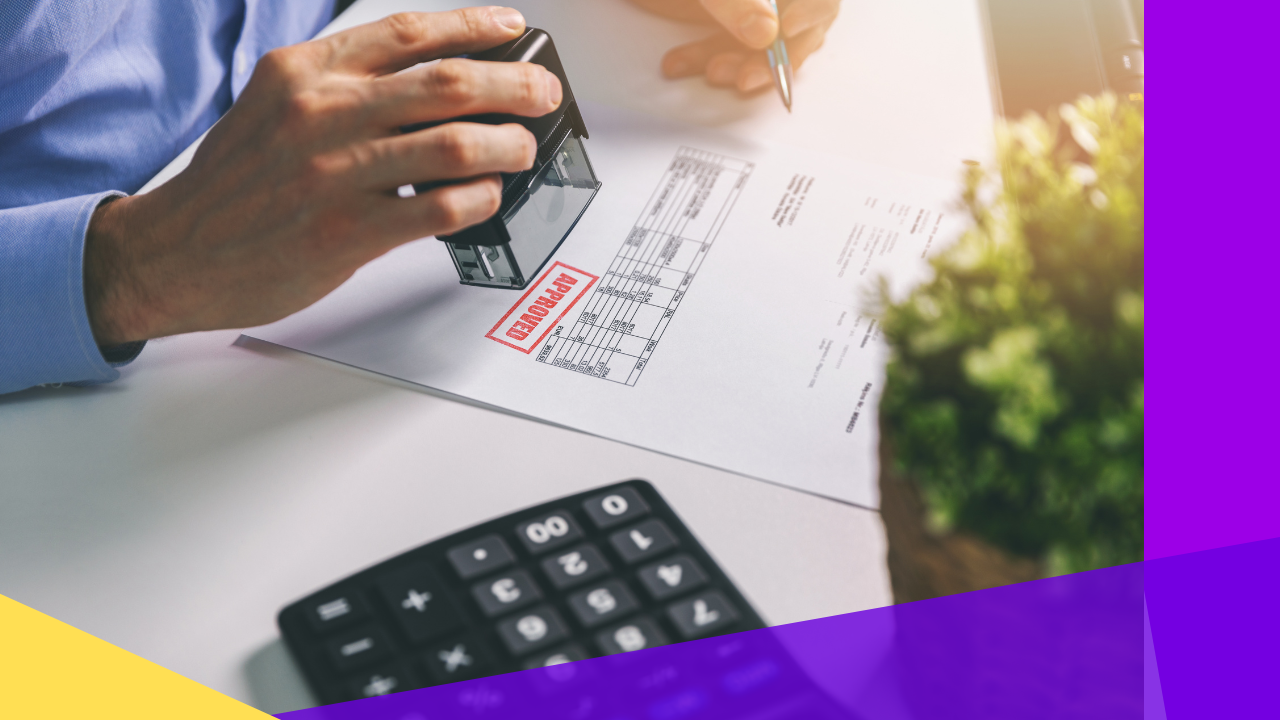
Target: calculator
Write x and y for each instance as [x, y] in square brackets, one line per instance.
[604, 572]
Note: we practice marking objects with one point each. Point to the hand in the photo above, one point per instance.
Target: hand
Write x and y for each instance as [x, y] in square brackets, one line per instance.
[734, 57]
[295, 188]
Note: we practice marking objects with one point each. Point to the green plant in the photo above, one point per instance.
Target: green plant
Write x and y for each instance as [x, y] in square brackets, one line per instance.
[1015, 388]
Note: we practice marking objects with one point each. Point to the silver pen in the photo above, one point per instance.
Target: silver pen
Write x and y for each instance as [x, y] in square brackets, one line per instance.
[779, 63]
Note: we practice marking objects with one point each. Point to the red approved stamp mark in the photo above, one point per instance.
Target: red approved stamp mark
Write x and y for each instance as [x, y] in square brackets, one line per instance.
[543, 305]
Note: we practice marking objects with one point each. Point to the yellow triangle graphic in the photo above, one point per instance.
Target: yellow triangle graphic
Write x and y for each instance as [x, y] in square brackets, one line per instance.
[49, 669]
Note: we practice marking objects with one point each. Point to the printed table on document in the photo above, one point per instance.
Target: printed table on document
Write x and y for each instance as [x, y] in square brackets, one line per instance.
[618, 329]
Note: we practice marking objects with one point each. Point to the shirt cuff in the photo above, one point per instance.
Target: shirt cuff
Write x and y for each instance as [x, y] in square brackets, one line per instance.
[44, 326]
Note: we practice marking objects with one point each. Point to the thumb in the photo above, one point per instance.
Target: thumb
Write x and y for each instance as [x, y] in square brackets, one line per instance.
[753, 22]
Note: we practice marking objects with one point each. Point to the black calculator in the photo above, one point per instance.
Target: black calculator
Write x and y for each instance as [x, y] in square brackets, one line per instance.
[599, 573]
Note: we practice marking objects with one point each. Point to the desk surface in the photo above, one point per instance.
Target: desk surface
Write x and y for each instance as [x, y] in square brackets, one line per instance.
[175, 511]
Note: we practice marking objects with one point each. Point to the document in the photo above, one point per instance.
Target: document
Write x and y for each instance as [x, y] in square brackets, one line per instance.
[715, 303]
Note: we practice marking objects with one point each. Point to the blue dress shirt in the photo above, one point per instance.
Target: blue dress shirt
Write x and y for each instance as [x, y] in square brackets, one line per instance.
[96, 96]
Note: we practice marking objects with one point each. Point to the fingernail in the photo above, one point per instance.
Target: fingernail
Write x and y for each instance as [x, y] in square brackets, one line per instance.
[554, 92]
[676, 67]
[758, 30]
[755, 79]
[509, 18]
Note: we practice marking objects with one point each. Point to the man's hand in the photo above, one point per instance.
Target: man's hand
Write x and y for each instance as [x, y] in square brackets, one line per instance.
[733, 56]
[295, 188]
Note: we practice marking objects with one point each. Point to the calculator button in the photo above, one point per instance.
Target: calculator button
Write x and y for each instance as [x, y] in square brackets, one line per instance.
[615, 507]
[638, 634]
[384, 680]
[458, 660]
[672, 577]
[506, 592]
[332, 611]
[559, 656]
[575, 566]
[357, 648]
[526, 632]
[648, 539]
[417, 597]
[550, 531]
[478, 557]
[602, 603]
[702, 614]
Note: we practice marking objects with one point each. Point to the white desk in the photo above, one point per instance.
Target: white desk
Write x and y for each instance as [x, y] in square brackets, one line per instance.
[174, 512]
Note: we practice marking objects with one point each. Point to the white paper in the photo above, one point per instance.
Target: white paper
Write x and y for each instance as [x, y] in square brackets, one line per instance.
[728, 325]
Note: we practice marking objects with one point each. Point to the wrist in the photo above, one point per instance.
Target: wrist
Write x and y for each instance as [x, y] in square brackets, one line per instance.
[110, 292]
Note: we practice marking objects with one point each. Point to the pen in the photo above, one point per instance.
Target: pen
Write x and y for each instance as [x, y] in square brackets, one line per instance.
[779, 63]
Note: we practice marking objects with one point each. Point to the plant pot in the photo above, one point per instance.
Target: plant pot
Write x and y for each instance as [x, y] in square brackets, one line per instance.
[924, 564]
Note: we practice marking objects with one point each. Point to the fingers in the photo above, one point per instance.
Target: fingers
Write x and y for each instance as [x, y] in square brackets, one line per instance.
[800, 47]
[405, 39]
[727, 64]
[754, 74]
[442, 211]
[456, 87]
[723, 69]
[804, 15]
[752, 22]
[454, 150]
[692, 58]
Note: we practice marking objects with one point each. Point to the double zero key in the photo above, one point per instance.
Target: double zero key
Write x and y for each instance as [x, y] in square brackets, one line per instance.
[548, 532]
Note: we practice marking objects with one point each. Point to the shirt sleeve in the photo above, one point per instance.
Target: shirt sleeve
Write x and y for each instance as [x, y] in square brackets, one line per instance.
[44, 325]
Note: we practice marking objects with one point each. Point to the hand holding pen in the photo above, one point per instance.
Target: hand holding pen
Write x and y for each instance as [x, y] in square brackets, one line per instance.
[735, 56]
